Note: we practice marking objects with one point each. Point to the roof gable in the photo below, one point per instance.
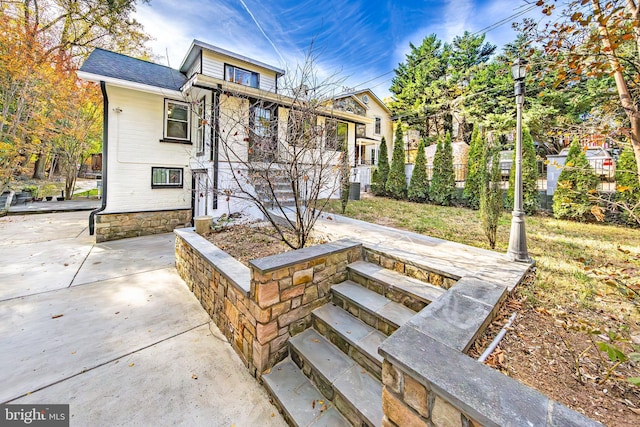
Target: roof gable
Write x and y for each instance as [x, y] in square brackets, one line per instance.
[357, 95]
[115, 65]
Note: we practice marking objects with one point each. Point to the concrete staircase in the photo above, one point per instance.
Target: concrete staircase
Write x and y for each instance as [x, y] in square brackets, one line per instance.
[332, 375]
[281, 190]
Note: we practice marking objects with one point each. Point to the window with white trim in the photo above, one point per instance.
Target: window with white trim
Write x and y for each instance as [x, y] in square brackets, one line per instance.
[378, 125]
[177, 120]
[200, 122]
[241, 76]
[166, 177]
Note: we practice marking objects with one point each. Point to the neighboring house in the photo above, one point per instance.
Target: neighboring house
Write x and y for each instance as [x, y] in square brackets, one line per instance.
[365, 103]
[460, 159]
[164, 130]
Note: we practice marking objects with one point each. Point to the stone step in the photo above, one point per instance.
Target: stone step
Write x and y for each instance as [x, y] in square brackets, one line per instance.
[300, 401]
[352, 336]
[353, 391]
[412, 293]
[372, 308]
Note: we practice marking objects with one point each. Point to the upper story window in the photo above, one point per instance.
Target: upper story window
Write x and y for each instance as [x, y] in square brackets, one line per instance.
[361, 130]
[378, 125]
[241, 76]
[177, 120]
[200, 123]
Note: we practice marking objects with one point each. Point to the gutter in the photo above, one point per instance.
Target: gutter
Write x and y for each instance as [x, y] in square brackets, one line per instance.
[105, 146]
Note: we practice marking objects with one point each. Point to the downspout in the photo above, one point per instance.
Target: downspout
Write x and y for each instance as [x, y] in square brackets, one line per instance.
[105, 145]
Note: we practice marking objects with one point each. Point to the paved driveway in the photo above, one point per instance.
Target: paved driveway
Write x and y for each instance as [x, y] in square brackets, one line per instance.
[112, 330]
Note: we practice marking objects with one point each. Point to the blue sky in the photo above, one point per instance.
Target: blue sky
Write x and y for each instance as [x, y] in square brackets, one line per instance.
[358, 39]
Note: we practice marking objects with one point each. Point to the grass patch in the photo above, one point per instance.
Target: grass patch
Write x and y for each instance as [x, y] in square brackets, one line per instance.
[594, 267]
[88, 193]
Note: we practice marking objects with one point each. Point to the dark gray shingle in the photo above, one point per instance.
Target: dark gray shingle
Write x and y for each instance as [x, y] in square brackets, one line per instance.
[110, 64]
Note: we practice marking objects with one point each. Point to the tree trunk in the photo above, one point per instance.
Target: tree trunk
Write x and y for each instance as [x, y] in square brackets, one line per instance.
[39, 167]
[623, 91]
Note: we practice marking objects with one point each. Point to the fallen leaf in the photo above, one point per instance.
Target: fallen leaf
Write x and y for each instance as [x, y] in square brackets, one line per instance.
[66, 264]
[194, 376]
[315, 340]
[73, 352]
[131, 365]
[313, 404]
[55, 316]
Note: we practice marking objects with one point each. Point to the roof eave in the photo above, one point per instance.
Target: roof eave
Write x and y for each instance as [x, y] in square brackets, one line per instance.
[91, 77]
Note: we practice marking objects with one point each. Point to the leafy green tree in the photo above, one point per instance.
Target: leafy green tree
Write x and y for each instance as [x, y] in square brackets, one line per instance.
[380, 175]
[628, 187]
[576, 184]
[443, 184]
[473, 182]
[530, 197]
[491, 205]
[419, 183]
[396, 185]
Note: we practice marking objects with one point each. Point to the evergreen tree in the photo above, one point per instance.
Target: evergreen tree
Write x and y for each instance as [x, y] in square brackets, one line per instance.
[473, 181]
[628, 187]
[491, 205]
[419, 183]
[443, 184]
[530, 197]
[380, 175]
[576, 183]
[396, 186]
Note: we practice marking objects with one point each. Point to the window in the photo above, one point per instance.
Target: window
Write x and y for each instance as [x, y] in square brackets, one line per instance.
[361, 130]
[302, 129]
[262, 141]
[377, 126]
[201, 121]
[177, 120]
[241, 76]
[166, 177]
[336, 135]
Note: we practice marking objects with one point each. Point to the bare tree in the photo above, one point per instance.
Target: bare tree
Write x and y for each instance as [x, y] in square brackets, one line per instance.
[282, 152]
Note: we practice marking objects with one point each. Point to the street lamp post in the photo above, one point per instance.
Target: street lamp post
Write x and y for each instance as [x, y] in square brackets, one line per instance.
[518, 239]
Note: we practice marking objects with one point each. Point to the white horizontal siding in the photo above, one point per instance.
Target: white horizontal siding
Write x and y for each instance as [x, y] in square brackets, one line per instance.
[134, 147]
[194, 68]
[268, 82]
[212, 66]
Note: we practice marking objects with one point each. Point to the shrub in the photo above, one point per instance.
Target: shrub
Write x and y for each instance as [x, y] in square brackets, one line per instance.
[473, 182]
[379, 179]
[491, 204]
[576, 184]
[443, 184]
[419, 183]
[396, 186]
[530, 197]
[628, 187]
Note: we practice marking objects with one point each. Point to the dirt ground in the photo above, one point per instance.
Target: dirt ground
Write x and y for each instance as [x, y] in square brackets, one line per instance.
[554, 352]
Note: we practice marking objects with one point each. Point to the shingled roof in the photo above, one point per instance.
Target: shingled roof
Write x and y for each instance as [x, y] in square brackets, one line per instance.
[110, 64]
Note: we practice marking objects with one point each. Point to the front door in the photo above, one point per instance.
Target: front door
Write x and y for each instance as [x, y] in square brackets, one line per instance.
[201, 194]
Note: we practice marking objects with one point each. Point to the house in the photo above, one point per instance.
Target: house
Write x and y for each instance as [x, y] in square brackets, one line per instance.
[177, 141]
[368, 136]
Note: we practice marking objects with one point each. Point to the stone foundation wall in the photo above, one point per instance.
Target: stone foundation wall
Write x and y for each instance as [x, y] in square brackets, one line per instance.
[434, 277]
[116, 226]
[259, 308]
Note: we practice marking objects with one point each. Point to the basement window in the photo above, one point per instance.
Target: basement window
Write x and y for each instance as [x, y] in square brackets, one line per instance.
[166, 177]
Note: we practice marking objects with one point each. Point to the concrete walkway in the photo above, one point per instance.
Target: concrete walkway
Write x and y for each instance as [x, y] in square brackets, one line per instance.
[112, 330]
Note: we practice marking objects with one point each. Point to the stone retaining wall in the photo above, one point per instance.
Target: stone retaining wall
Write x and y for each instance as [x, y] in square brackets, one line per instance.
[259, 308]
[436, 278]
[113, 226]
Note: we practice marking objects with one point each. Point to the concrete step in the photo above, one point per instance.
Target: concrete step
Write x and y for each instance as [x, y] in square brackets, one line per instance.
[353, 391]
[412, 293]
[352, 336]
[300, 401]
[372, 308]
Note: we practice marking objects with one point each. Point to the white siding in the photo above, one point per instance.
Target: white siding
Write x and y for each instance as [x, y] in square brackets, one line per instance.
[194, 68]
[134, 147]
[268, 82]
[212, 66]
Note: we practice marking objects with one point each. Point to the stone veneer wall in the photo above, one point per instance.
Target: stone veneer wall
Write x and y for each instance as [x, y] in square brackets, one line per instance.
[113, 226]
[387, 261]
[259, 308]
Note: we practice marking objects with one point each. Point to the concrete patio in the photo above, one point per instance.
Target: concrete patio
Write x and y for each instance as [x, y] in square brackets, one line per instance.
[112, 330]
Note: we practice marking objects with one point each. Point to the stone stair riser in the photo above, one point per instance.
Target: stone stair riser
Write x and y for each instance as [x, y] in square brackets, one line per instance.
[372, 366]
[367, 317]
[395, 295]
